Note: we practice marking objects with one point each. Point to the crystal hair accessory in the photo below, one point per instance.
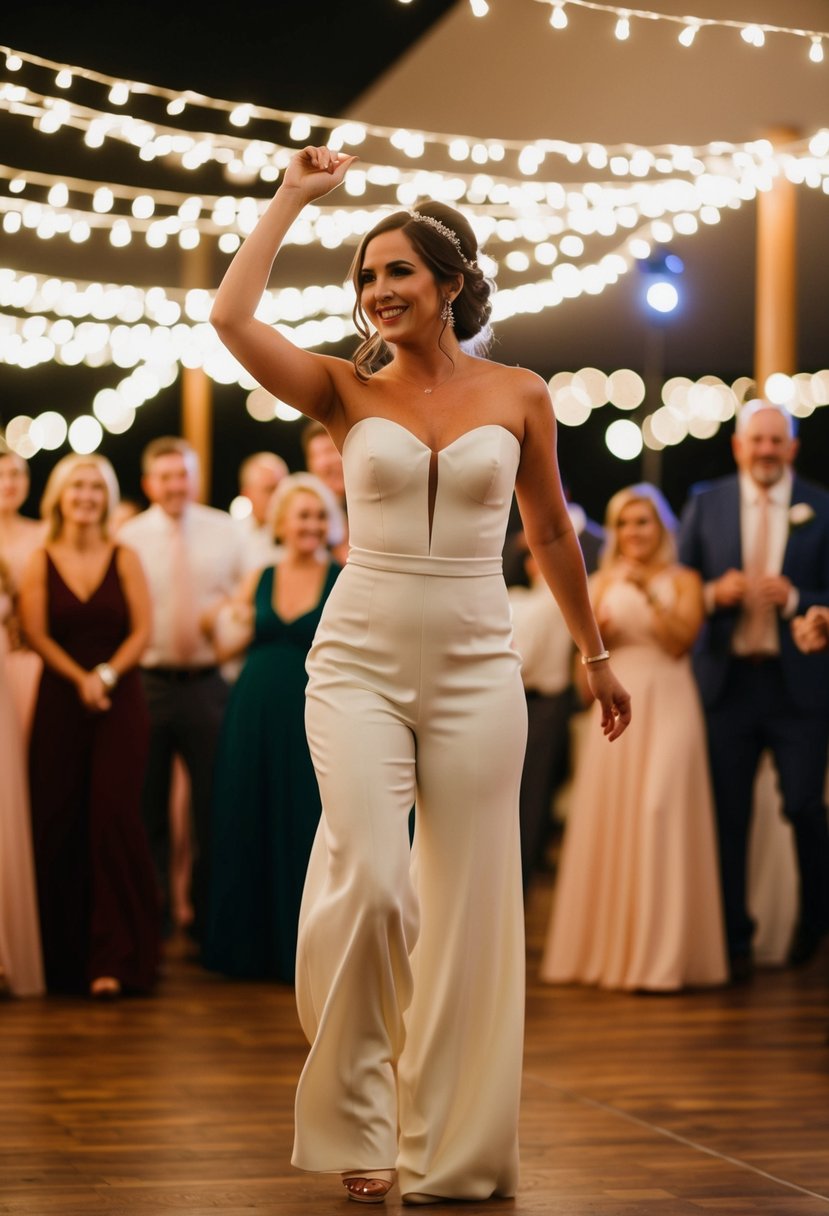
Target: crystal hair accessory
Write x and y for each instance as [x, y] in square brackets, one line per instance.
[445, 231]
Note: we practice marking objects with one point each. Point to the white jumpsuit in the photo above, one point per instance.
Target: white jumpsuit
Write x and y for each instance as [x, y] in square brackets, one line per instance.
[410, 968]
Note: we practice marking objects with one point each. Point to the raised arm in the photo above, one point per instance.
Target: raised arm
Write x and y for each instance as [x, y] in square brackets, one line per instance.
[301, 378]
[555, 547]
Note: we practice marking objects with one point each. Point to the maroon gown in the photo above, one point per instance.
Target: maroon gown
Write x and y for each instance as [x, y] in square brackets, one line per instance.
[98, 897]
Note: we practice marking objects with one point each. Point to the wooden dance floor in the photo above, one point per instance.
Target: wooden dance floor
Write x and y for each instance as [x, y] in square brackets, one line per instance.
[181, 1103]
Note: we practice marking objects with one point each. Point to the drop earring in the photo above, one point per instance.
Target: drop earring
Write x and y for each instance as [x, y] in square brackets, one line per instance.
[447, 316]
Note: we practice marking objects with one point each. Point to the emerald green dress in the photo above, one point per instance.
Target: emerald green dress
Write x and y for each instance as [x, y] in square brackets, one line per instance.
[266, 803]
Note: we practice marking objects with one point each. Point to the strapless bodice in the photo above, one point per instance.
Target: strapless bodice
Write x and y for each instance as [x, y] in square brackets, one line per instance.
[386, 471]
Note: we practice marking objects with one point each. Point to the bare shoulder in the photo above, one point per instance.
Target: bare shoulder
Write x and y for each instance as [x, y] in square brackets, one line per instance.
[521, 381]
[35, 564]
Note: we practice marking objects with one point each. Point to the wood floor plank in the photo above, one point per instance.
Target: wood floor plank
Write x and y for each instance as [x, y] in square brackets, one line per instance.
[707, 1102]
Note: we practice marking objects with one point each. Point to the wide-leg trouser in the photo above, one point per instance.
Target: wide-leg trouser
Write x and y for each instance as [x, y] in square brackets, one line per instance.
[410, 970]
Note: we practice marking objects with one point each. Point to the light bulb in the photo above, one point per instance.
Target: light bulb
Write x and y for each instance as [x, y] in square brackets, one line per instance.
[623, 27]
[688, 34]
[119, 93]
[480, 8]
[558, 17]
[816, 50]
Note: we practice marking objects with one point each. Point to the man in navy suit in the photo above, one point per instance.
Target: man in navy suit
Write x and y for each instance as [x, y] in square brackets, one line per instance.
[760, 541]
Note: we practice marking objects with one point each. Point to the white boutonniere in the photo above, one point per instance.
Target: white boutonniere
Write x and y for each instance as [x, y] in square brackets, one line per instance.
[799, 514]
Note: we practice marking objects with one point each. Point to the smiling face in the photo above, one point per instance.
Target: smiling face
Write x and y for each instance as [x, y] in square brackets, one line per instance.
[302, 526]
[84, 500]
[764, 449]
[14, 483]
[171, 483]
[638, 532]
[398, 292]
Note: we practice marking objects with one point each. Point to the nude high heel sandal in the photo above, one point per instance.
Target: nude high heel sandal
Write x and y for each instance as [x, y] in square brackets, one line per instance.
[368, 1186]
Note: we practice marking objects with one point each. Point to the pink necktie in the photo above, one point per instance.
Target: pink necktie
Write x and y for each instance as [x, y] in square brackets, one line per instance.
[183, 612]
[758, 629]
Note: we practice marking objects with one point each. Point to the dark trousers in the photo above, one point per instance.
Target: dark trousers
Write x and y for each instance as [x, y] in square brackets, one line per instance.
[754, 713]
[545, 767]
[186, 713]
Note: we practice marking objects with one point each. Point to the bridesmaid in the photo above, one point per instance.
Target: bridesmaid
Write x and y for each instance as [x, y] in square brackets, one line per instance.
[85, 609]
[19, 537]
[21, 964]
[266, 802]
[637, 901]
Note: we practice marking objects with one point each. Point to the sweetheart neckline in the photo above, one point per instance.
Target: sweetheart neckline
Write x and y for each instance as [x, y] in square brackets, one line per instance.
[426, 447]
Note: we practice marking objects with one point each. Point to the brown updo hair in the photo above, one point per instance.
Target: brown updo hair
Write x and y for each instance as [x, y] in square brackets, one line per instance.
[471, 307]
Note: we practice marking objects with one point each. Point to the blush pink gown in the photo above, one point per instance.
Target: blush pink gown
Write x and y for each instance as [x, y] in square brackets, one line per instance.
[637, 901]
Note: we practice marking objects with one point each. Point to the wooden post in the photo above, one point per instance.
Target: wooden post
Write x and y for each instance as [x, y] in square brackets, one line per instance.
[196, 385]
[775, 329]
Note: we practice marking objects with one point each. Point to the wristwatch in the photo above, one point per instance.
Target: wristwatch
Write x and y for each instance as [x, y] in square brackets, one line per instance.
[108, 675]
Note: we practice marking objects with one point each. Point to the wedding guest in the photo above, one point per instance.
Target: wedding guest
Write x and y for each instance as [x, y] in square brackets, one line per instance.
[193, 561]
[637, 903]
[21, 962]
[760, 541]
[86, 611]
[259, 478]
[324, 460]
[543, 641]
[266, 804]
[19, 537]
[181, 845]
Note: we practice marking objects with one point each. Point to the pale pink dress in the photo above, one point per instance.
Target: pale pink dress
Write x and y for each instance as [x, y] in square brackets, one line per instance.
[20, 953]
[637, 902]
[24, 666]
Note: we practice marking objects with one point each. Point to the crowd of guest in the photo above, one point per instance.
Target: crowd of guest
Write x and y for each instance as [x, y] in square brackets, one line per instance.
[152, 677]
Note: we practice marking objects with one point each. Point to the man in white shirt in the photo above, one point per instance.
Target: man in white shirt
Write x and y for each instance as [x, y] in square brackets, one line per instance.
[259, 476]
[543, 641]
[193, 561]
[760, 541]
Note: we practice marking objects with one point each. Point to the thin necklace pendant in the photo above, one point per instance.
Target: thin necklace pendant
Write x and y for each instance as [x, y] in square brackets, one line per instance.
[428, 390]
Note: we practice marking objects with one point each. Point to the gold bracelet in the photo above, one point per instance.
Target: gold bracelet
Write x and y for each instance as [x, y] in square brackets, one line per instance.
[595, 658]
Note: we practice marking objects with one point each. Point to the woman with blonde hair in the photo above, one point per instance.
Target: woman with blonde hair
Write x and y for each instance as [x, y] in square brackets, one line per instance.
[85, 610]
[266, 803]
[637, 901]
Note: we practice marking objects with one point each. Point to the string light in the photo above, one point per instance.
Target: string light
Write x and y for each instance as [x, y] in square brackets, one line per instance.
[558, 16]
[480, 8]
[753, 35]
[688, 34]
[545, 225]
[752, 32]
[816, 49]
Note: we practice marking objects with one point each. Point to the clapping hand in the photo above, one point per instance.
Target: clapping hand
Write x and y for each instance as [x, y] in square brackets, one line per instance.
[811, 631]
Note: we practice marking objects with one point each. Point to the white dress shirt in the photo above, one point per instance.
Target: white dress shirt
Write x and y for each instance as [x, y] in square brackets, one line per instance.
[218, 562]
[542, 640]
[260, 548]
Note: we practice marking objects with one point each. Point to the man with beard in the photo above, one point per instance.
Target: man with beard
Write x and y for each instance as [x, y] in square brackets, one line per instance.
[760, 541]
